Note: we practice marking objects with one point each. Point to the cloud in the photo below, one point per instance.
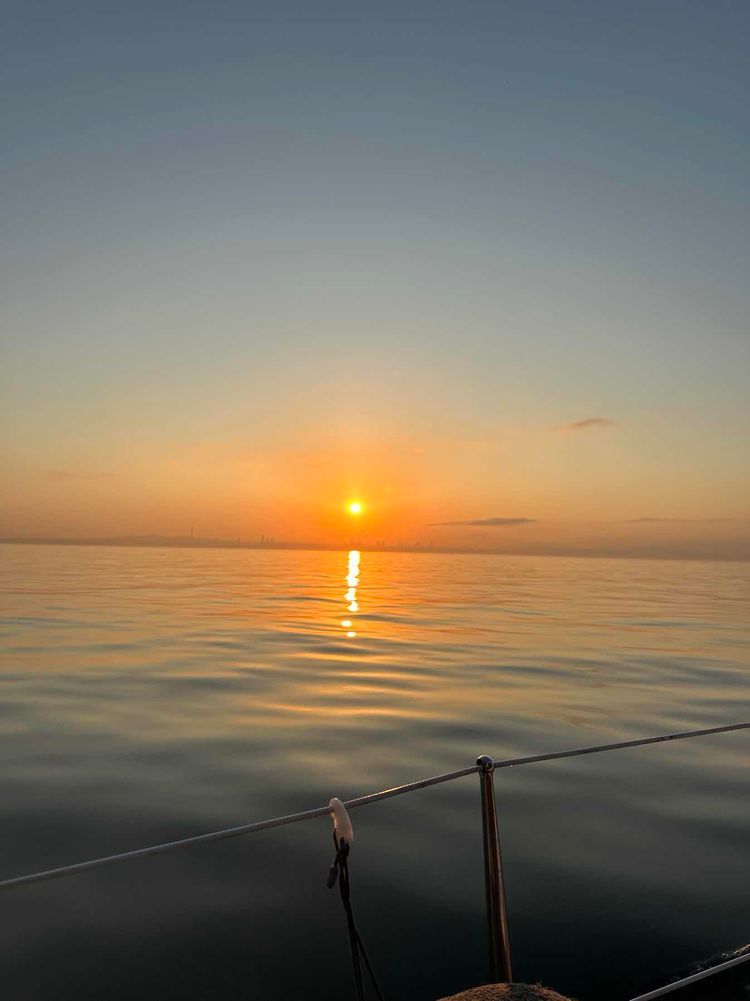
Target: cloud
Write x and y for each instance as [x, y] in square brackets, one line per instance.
[589, 424]
[486, 522]
[66, 474]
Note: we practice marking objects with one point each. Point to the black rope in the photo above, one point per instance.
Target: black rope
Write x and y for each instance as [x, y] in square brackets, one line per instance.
[340, 869]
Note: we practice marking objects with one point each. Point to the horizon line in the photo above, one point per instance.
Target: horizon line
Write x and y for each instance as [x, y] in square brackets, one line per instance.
[155, 541]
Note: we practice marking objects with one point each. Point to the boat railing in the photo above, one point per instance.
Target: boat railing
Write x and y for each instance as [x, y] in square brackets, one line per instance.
[485, 766]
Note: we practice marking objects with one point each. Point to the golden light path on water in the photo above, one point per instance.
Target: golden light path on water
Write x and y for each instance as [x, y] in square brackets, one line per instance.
[352, 580]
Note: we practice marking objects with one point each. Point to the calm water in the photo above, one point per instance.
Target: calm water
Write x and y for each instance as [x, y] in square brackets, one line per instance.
[150, 694]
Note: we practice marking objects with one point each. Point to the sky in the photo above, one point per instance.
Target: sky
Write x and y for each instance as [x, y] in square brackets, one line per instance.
[481, 266]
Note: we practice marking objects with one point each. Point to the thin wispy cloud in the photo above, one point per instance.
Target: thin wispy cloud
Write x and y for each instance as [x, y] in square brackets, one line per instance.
[589, 424]
[485, 522]
[678, 521]
[67, 474]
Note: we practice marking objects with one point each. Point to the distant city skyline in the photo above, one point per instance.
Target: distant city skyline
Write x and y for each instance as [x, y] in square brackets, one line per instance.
[733, 545]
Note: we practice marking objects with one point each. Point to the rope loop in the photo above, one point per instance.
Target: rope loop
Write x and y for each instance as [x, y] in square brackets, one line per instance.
[339, 870]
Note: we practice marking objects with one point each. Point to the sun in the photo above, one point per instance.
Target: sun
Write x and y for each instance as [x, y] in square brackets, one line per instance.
[354, 508]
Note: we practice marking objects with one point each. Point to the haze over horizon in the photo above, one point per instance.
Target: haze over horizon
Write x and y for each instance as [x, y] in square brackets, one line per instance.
[482, 268]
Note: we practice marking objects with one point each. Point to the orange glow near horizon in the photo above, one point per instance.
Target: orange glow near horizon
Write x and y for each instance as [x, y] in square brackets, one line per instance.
[462, 492]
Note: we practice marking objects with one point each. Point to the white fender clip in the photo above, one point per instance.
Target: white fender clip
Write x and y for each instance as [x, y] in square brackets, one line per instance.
[342, 825]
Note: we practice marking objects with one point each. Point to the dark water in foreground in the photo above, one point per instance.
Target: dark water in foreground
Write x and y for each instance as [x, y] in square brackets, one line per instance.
[150, 694]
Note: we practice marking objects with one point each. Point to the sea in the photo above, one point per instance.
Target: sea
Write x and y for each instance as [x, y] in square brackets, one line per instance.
[151, 694]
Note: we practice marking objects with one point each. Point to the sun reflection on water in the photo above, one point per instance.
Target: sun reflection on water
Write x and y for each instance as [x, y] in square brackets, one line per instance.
[352, 580]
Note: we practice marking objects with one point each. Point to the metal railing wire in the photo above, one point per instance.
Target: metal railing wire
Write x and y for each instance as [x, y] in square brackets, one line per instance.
[509, 762]
[366, 800]
[230, 832]
[693, 978]
[497, 920]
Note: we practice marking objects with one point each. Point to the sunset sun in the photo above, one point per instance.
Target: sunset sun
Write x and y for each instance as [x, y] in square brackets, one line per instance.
[354, 508]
